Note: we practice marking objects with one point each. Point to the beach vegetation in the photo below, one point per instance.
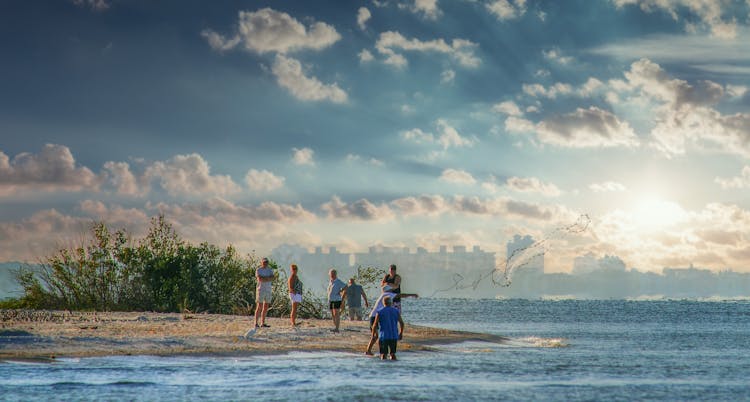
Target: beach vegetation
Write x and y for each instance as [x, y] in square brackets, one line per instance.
[161, 272]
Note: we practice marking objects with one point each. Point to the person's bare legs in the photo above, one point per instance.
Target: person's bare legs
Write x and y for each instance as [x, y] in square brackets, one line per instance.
[369, 345]
[336, 314]
[293, 315]
[258, 308]
[263, 314]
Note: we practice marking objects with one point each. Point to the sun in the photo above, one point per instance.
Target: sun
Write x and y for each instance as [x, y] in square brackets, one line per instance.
[652, 213]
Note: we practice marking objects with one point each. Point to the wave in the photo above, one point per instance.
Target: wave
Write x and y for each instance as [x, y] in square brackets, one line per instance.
[538, 342]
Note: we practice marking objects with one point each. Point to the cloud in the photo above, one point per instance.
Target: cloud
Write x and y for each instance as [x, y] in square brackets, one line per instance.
[271, 31]
[509, 108]
[289, 75]
[447, 136]
[365, 56]
[584, 128]
[353, 158]
[303, 156]
[556, 56]
[532, 185]
[427, 9]
[457, 176]
[361, 209]
[423, 205]
[739, 182]
[124, 181]
[717, 227]
[517, 125]
[447, 76]
[190, 175]
[263, 180]
[418, 136]
[450, 137]
[538, 90]
[607, 186]
[684, 112]
[363, 15]
[506, 9]
[710, 13]
[52, 169]
[390, 42]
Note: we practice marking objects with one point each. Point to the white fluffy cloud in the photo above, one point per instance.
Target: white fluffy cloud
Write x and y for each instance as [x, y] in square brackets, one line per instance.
[289, 75]
[52, 169]
[263, 180]
[190, 175]
[457, 176]
[427, 8]
[532, 185]
[390, 43]
[592, 127]
[447, 136]
[365, 56]
[268, 30]
[363, 15]
[303, 156]
[551, 92]
[509, 108]
[123, 180]
[507, 9]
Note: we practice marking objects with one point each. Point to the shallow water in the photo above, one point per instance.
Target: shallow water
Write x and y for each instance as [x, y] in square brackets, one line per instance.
[559, 350]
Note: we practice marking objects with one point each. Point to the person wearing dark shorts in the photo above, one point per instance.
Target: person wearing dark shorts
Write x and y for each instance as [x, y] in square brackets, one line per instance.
[390, 328]
[335, 288]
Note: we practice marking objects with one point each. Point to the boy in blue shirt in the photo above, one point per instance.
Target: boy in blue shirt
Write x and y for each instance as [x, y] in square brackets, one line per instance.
[389, 327]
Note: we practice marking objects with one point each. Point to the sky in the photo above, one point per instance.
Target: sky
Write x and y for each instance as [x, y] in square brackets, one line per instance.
[413, 123]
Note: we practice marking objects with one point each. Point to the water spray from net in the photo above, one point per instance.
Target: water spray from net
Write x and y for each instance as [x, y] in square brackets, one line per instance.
[502, 274]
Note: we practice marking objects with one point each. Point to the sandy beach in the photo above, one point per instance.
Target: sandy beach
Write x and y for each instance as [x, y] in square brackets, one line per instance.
[43, 335]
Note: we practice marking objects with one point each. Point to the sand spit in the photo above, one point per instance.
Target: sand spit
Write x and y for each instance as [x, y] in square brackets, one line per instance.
[44, 335]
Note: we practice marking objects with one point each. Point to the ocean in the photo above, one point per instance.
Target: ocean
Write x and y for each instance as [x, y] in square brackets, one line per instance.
[559, 350]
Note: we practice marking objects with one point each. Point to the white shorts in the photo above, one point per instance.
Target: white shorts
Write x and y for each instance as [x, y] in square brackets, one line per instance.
[295, 297]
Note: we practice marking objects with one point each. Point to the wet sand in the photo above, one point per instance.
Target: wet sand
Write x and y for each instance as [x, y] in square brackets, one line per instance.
[45, 335]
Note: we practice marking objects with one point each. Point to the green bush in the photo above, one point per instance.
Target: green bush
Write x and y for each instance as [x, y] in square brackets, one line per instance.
[160, 272]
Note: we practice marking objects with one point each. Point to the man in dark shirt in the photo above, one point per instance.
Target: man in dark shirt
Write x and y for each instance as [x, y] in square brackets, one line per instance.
[354, 294]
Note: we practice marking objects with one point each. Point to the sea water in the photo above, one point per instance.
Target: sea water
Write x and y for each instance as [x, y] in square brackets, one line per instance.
[565, 350]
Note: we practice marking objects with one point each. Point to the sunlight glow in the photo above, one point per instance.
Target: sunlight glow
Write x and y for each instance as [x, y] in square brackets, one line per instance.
[651, 213]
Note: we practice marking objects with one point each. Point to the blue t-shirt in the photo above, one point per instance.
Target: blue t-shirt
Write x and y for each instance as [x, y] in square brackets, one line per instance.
[388, 322]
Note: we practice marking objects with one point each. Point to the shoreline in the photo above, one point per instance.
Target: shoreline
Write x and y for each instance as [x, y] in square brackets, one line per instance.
[43, 335]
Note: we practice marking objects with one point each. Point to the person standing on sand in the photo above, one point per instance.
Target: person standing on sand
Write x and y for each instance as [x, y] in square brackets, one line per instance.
[264, 276]
[354, 294]
[335, 287]
[390, 328]
[393, 280]
[295, 293]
